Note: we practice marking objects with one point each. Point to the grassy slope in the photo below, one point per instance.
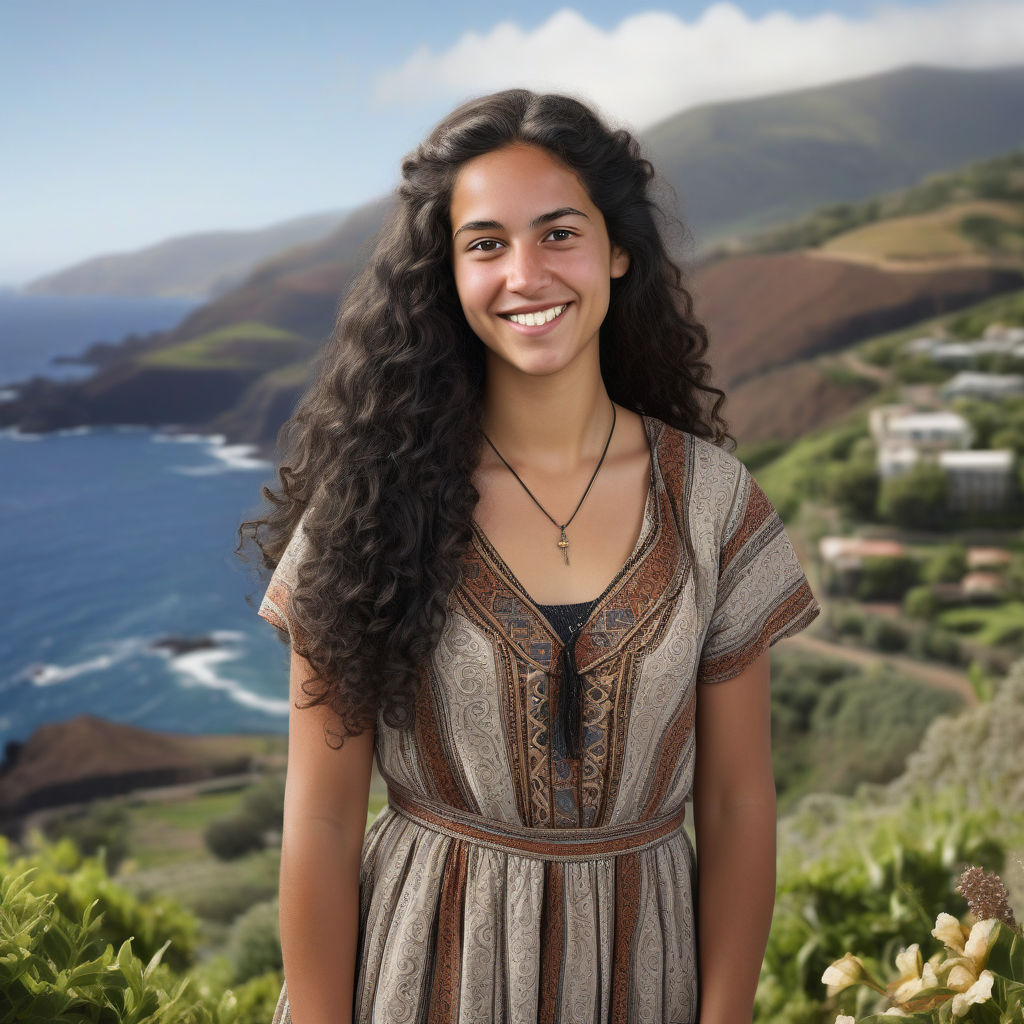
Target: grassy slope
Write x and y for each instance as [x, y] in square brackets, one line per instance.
[247, 345]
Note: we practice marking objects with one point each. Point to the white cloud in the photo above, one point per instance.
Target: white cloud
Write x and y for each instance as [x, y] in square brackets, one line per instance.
[656, 63]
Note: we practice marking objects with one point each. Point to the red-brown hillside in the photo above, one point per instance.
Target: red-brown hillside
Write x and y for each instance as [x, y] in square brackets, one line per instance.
[766, 311]
[88, 757]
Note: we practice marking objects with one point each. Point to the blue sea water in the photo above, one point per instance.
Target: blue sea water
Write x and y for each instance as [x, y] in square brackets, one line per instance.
[113, 538]
[35, 328]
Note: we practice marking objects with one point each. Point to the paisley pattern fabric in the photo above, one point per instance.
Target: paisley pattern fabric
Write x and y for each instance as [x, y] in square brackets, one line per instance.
[502, 882]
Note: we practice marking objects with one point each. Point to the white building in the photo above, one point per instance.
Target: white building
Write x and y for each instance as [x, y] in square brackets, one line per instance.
[991, 386]
[979, 479]
[930, 431]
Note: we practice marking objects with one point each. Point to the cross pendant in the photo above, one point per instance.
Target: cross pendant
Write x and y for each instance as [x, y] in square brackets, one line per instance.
[564, 545]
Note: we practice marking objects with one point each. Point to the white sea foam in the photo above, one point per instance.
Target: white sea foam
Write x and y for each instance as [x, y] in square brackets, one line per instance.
[14, 434]
[74, 431]
[199, 668]
[194, 668]
[45, 674]
[162, 438]
[227, 457]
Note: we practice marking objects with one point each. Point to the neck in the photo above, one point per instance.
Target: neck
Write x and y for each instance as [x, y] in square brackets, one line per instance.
[553, 424]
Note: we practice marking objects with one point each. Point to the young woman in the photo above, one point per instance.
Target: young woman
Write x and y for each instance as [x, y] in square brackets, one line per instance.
[514, 560]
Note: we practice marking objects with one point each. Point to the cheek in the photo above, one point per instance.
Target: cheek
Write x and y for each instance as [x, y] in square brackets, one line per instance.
[471, 283]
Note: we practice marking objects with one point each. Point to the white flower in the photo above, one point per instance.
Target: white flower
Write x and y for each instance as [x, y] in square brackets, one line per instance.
[950, 932]
[895, 1011]
[840, 974]
[979, 992]
[909, 983]
[845, 1018]
[979, 940]
[962, 974]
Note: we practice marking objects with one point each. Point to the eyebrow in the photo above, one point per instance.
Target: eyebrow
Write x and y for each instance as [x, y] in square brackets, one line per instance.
[544, 218]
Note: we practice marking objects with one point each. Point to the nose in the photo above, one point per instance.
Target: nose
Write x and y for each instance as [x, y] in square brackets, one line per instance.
[526, 269]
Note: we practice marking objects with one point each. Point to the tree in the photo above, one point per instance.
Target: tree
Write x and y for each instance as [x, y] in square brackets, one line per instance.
[920, 603]
[946, 565]
[853, 487]
[916, 499]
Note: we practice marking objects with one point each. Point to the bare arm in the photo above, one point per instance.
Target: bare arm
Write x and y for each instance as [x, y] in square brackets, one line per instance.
[734, 818]
[325, 806]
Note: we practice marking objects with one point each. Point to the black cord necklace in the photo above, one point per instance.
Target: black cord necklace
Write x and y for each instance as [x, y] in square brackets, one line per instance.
[563, 542]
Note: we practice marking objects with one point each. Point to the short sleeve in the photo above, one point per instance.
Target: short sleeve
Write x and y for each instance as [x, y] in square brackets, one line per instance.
[276, 604]
[762, 593]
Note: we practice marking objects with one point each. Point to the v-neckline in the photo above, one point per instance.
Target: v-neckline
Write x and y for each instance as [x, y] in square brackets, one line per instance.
[648, 525]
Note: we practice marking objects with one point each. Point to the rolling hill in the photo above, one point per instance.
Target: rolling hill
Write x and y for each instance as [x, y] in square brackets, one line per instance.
[192, 266]
[736, 168]
[774, 307]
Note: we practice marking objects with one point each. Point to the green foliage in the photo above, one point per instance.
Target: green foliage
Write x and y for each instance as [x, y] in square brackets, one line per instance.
[859, 875]
[257, 997]
[947, 564]
[916, 500]
[1006, 309]
[254, 947]
[920, 603]
[76, 883]
[58, 968]
[104, 826]
[853, 487]
[835, 725]
[936, 644]
[886, 579]
[245, 830]
[885, 634]
[997, 178]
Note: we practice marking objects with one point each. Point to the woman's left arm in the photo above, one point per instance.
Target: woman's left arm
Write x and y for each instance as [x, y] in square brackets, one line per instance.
[734, 819]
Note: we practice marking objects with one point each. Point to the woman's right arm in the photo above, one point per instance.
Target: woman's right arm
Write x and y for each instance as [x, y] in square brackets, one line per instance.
[325, 806]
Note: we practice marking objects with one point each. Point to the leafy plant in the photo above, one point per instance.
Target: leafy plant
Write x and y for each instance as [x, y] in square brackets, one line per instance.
[57, 968]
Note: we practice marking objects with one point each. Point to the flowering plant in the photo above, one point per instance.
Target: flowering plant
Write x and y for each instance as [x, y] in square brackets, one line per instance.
[977, 977]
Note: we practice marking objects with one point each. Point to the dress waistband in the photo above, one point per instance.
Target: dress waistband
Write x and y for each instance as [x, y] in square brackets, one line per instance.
[561, 844]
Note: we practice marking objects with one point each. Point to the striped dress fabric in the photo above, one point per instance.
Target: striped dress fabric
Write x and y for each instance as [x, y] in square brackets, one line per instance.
[502, 882]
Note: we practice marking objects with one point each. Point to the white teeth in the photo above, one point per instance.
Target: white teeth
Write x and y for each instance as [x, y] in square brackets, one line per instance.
[542, 316]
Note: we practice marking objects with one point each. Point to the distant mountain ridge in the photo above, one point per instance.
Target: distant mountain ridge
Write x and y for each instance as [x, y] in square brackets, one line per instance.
[736, 168]
[189, 266]
[237, 365]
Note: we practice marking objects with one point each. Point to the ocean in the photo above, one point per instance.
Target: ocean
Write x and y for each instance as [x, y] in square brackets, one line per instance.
[115, 539]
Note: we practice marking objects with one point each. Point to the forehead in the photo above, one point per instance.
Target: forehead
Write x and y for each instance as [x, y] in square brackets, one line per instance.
[514, 184]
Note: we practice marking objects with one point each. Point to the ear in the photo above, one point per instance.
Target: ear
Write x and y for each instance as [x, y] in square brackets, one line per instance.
[620, 261]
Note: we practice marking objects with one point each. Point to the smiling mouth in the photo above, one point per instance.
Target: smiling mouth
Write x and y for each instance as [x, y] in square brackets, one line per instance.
[541, 316]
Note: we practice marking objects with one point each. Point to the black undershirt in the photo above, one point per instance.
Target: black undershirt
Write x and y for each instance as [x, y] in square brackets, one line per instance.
[567, 620]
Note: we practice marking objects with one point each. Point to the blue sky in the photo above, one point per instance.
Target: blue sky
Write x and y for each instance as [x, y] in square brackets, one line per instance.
[124, 123]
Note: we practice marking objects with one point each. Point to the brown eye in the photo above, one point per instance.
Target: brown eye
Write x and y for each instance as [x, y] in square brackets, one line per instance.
[483, 242]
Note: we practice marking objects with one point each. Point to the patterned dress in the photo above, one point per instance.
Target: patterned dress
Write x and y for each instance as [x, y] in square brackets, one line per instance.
[502, 882]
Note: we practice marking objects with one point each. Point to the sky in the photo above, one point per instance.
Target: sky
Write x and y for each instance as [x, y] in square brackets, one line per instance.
[124, 123]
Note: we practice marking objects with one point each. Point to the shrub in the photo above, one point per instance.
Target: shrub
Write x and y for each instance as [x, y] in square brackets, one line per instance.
[884, 579]
[885, 634]
[234, 836]
[915, 499]
[254, 947]
[920, 602]
[937, 645]
[945, 565]
[76, 883]
[850, 623]
[104, 826]
[58, 968]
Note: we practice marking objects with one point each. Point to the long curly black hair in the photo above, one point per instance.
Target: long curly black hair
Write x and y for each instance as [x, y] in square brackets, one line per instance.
[382, 446]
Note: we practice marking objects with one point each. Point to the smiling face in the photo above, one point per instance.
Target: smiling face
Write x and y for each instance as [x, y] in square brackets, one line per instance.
[531, 257]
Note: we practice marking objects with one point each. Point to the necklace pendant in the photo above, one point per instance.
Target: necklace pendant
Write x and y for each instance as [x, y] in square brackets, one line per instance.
[564, 545]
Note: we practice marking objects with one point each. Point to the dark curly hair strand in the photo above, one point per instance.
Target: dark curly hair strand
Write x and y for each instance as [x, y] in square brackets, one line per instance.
[383, 444]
